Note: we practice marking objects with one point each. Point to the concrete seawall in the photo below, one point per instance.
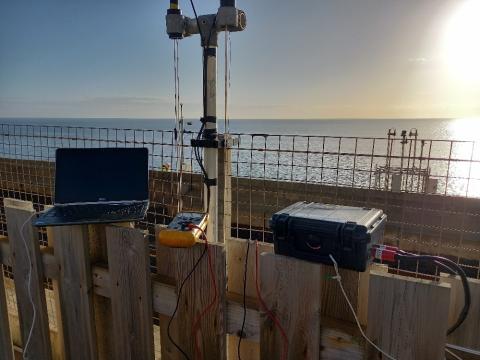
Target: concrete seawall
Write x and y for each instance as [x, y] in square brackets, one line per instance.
[419, 222]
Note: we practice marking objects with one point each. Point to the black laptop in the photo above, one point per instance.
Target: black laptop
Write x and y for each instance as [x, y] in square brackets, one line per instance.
[104, 185]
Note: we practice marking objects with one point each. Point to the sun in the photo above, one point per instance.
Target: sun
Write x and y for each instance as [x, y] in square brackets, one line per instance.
[461, 46]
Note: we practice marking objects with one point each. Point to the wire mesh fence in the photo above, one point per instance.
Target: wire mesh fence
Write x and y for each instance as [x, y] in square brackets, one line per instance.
[430, 189]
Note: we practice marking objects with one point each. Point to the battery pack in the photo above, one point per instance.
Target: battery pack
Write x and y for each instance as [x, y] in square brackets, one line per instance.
[180, 233]
[313, 231]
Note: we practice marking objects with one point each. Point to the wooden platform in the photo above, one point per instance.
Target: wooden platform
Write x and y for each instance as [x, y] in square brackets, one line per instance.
[104, 299]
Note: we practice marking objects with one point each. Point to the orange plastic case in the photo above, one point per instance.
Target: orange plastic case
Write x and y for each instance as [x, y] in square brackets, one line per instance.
[179, 234]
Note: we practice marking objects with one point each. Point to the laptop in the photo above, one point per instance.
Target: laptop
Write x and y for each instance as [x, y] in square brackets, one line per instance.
[103, 185]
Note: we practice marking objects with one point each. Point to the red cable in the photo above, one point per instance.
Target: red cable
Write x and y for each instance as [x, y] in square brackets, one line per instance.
[196, 323]
[270, 314]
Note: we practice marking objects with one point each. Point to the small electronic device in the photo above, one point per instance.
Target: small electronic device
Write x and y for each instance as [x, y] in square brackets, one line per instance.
[100, 185]
[313, 231]
[180, 232]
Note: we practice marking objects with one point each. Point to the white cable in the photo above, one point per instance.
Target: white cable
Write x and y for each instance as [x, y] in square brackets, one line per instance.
[339, 280]
[178, 123]
[463, 350]
[29, 281]
[451, 353]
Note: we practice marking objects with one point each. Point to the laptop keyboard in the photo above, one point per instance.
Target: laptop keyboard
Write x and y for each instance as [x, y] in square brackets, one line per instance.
[102, 211]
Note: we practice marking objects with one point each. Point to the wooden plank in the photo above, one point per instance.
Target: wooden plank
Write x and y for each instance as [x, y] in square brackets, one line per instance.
[285, 285]
[363, 286]
[224, 187]
[339, 345]
[49, 262]
[164, 297]
[165, 257]
[129, 267]
[333, 301]
[102, 306]
[6, 345]
[462, 353]
[196, 295]
[251, 331]
[75, 291]
[407, 318]
[27, 261]
[236, 256]
[336, 341]
[13, 319]
[58, 347]
[467, 334]
[166, 270]
[5, 254]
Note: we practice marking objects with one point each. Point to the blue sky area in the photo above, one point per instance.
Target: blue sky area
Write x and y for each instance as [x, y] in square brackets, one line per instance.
[296, 59]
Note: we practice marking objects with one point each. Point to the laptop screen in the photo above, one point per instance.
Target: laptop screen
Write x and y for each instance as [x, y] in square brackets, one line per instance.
[107, 174]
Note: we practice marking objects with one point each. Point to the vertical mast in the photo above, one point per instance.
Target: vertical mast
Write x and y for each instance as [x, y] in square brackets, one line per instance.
[210, 135]
[228, 17]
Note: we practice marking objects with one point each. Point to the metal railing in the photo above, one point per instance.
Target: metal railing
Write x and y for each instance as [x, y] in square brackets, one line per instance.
[430, 189]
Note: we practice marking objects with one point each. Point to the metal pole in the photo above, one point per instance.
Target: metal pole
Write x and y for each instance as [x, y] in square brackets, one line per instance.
[228, 17]
[210, 132]
[228, 3]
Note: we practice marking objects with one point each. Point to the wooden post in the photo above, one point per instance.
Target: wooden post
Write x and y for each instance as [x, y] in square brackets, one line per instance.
[407, 318]
[102, 305]
[363, 286]
[75, 291]
[224, 194]
[236, 256]
[27, 260]
[58, 347]
[467, 334]
[130, 283]
[337, 339]
[333, 301]
[196, 295]
[166, 271]
[6, 349]
[291, 289]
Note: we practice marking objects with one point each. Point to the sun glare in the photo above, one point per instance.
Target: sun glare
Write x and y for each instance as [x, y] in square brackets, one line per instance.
[462, 41]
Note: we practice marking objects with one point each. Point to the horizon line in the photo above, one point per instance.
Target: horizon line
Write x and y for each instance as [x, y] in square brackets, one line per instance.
[232, 119]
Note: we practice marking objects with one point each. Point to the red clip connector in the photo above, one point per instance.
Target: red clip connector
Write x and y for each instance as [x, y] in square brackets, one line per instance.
[384, 252]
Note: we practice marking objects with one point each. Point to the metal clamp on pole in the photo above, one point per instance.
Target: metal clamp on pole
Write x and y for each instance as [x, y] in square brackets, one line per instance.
[217, 141]
[228, 17]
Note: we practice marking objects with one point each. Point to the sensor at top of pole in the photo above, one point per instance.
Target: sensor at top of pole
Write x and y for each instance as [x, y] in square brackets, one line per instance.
[228, 17]
[174, 5]
[175, 21]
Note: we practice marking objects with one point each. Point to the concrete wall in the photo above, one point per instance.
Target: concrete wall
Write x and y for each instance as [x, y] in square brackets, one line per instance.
[429, 223]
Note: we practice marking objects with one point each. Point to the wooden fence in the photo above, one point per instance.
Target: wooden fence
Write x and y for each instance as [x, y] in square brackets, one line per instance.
[106, 299]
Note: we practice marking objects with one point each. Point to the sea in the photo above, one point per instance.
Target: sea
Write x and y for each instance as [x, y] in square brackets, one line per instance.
[443, 154]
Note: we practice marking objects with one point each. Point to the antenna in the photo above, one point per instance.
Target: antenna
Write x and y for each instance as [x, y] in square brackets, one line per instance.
[227, 18]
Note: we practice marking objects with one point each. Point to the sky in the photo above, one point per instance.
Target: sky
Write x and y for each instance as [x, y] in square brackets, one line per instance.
[305, 59]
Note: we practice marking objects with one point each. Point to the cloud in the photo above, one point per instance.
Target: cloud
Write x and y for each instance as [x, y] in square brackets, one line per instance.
[114, 106]
[126, 100]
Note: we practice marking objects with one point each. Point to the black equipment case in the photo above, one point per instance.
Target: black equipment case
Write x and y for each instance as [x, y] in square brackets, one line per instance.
[313, 231]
